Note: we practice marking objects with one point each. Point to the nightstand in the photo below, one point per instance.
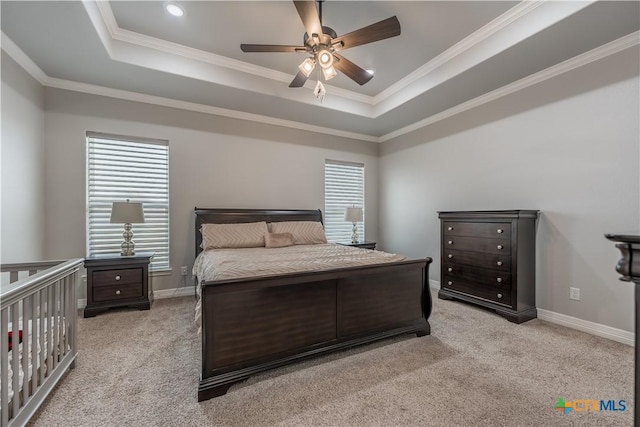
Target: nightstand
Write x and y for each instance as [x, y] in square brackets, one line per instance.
[360, 244]
[118, 281]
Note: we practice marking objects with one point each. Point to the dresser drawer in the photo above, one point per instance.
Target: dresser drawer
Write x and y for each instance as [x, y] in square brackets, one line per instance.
[117, 292]
[478, 259]
[474, 289]
[477, 229]
[479, 244]
[117, 277]
[492, 278]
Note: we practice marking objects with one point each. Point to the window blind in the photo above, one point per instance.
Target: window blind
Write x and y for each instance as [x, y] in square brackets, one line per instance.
[121, 168]
[343, 187]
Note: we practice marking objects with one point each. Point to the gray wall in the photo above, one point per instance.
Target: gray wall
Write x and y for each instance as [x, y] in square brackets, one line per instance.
[568, 146]
[214, 162]
[22, 177]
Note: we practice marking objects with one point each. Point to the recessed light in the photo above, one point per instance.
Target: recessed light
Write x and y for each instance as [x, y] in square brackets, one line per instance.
[174, 8]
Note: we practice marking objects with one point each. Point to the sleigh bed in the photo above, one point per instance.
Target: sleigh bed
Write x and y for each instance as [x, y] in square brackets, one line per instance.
[262, 320]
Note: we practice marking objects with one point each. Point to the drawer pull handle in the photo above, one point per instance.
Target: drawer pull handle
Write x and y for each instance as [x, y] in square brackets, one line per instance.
[449, 256]
[499, 279]
[499, 246]
[499, 263]
[118, 292]
[499, 295]
[450, 228]
[450, 242]
[118, 277]
[449, 269]
[500, 231]
[449, 283]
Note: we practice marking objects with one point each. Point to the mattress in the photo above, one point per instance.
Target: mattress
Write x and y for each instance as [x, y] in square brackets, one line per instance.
[227, 264]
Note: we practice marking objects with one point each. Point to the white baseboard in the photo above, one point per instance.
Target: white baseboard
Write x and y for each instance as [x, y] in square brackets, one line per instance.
[592, 328]
[597, 329]
[183, 291]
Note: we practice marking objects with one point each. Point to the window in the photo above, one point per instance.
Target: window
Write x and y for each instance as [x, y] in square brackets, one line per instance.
[120, 168]
[343, 187]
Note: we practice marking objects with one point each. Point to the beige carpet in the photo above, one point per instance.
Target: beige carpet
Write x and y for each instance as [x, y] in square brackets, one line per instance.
[140, 368]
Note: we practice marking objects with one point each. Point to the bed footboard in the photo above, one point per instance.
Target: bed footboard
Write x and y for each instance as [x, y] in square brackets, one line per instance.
[252, 325]
[37, 334]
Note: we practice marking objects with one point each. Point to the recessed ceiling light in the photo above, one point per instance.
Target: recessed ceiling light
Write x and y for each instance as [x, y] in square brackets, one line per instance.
[174, 8]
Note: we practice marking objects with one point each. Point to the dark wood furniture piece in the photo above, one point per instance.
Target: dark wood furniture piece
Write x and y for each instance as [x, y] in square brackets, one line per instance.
[488, 258]
[118, 281]
[363, 244]
[629, 267]
[255, 324]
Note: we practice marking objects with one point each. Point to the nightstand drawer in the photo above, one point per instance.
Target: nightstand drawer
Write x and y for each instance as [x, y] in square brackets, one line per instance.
[117, 292]
[117, 277]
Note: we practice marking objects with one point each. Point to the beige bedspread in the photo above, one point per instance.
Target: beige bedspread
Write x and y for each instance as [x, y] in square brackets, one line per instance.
[225, 264]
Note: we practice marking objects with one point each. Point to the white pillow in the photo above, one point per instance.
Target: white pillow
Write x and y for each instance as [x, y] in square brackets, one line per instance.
[304, 232]
[243, 235]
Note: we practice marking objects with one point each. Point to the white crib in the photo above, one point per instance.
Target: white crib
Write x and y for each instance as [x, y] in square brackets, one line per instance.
[38, 333]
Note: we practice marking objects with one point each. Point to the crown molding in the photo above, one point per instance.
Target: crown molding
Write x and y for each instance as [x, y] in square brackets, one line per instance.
[22, 59]
[136, 39]
[467, 52]
[200, 108]
[493, 27]
[600, 52]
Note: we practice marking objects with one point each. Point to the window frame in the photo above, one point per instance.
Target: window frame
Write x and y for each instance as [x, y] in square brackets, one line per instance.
[157, 213]
[336, 228]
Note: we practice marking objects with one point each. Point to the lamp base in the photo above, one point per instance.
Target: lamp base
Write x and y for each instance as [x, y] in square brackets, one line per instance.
[354, 233]
[128, 246]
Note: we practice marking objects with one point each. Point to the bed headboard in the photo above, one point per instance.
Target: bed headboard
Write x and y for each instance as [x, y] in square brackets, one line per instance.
[231, 216]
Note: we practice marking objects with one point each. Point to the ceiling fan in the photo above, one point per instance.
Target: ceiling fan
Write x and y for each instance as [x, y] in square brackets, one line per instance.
[322, 44]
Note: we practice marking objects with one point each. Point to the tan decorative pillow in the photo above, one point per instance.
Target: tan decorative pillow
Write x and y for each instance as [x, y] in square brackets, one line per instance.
[278, 240]
[244, 235]
[304, 232]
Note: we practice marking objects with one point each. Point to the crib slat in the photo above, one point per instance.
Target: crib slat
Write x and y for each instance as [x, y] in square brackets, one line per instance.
[63, 316]
[15, 355]
[26, 350]
[73, 318]
[34, 342]
[55, 327]
[41, 329]
[48, 326]
[4, 365]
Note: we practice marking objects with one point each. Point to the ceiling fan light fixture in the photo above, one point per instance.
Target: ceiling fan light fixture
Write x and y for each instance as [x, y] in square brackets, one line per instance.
[307, 66]
[325, 58]
[329, 72]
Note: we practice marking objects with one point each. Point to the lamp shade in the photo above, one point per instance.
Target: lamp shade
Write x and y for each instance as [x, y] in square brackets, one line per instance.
[127, 213]
[353, 214]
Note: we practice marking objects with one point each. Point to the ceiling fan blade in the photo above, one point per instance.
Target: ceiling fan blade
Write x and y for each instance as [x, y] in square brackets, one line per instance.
[385, 29]
[271, 48]
[309, 15]
[299, 80]
[351, 70]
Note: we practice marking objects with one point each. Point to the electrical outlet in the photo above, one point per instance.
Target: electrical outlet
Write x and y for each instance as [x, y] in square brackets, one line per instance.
[574, 293]
[184, 270]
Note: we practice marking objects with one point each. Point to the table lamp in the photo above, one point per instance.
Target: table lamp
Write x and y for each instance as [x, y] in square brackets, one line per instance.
[353, 215]
[127, 213]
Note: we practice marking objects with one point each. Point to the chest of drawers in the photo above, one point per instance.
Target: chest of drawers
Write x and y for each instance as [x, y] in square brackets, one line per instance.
[117, 281]
[488, 258]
